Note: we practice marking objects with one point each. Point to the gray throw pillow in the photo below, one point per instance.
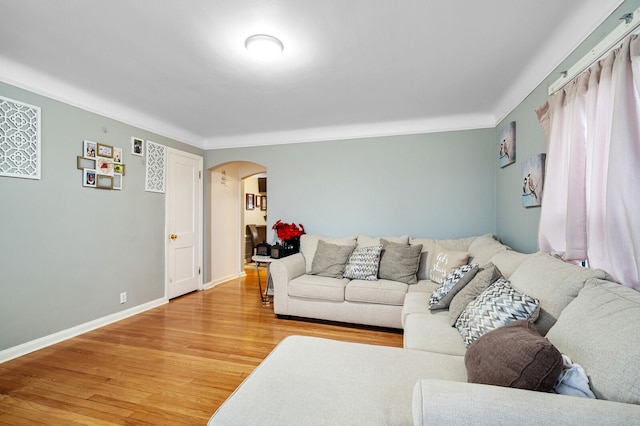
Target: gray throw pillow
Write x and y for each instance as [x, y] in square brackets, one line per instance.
[456, 281]
[399, 262]
[487, 275]
[330, 260]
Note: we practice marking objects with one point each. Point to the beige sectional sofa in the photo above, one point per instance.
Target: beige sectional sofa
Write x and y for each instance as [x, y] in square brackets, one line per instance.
[308, 380]
[379, 303]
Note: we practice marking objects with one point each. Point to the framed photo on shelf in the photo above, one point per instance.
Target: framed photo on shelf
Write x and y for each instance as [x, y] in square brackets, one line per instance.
[263, 202]
[85, 163]
[137, 146]
[104, 182]
[89, 149]
[89, 178]
[105, 151]
[250, 201]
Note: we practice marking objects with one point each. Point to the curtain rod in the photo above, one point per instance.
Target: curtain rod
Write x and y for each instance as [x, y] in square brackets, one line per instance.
[631, 22]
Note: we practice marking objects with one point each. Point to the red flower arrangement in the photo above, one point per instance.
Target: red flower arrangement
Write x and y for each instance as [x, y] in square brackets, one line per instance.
[287, 231]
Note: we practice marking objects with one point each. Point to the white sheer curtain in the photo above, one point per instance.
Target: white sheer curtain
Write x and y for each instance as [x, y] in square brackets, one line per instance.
[591, 206]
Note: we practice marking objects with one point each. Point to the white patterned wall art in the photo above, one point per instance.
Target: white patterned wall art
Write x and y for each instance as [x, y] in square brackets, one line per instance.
[155, 175]
[19, 139]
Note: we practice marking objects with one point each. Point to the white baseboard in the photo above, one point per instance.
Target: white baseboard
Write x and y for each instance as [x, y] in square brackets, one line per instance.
[43, 342]
[221, 280]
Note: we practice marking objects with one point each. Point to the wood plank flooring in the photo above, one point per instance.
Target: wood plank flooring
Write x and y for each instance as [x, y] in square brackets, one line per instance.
[173, 365]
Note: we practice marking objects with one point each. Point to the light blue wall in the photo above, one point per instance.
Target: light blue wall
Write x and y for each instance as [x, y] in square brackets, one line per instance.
[517, 226]
[67, 252]
[428, 185]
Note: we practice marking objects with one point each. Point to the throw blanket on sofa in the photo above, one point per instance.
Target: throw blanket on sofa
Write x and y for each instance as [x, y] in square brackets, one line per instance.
[573, 380]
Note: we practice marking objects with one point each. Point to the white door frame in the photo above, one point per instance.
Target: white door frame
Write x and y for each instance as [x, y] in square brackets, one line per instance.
[200, 219]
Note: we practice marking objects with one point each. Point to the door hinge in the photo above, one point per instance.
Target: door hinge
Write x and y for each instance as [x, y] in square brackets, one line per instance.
[198, 271]
[199, 174]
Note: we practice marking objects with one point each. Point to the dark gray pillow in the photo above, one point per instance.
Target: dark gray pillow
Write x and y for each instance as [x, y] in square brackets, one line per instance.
[487, 275]
[399, 262]
[330, 259]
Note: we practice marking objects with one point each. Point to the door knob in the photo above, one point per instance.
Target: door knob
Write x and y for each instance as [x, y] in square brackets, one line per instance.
[173, 236]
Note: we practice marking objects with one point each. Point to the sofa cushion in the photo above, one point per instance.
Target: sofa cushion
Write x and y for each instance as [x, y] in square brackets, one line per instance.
[317, 287]
[309, 244]
[363, 263]
[365, 241]
[330, 259]
[445, 261]
[456, 281]
[399, 262]
[384, 292]
[496, 307]
[516, 356]
[483, 248]
[554, 282]
[314, 381]
[431, 332]
[508, 261]
[414, 303]
[599, 330]
[487, 275]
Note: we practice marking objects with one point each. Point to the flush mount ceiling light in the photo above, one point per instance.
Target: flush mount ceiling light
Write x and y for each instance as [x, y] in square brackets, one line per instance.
[264, 46]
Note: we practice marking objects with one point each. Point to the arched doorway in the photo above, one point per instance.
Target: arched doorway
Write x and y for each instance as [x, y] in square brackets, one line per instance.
[225, 218]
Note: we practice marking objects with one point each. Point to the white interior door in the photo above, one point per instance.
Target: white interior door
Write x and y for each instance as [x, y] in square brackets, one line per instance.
[184, 223]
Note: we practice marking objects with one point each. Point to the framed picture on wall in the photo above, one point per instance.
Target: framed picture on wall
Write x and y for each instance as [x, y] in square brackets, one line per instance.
[263, 202]
[85, 163]
[137, 146]
[250, 201]
[119, 168]
[104, 182]
[507, 145]
[105, 150]
[117, 155]
[89, 149]
[533, 180]
[117, 181]
[89, 178]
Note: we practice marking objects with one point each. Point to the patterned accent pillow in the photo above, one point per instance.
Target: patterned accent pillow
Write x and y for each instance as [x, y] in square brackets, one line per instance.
[444, 261]
[495, 307]
[442, 296]
[363, 263]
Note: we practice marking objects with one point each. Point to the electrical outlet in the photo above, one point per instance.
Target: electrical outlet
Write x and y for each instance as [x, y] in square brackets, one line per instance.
[123, 297]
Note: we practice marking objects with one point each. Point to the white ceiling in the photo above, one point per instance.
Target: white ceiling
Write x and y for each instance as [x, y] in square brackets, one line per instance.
[350, 68]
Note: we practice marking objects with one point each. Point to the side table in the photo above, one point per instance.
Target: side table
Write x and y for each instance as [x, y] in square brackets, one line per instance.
[268, 290]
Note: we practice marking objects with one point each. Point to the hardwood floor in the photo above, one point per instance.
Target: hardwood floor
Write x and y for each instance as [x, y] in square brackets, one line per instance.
[173, 365]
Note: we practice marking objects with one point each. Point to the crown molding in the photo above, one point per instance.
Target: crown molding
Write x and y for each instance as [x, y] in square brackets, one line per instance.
[27, 78]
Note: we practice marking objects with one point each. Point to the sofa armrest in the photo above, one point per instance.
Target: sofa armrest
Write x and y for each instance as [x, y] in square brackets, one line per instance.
[282, 271]
[441, 402]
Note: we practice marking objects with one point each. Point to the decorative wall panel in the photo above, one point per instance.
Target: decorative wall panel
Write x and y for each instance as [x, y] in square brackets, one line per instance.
[156, 170]
[19, 139]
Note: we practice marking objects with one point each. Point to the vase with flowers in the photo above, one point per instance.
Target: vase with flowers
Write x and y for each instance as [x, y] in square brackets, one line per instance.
[289, 238]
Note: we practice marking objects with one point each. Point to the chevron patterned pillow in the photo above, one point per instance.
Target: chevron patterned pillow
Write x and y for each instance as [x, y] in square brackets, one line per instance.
[363, 263]
[495, 307]
[452, 285]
